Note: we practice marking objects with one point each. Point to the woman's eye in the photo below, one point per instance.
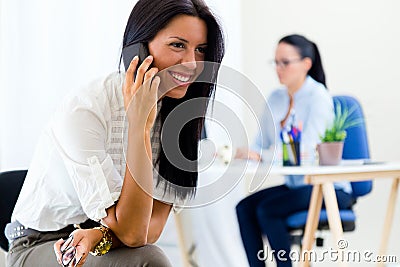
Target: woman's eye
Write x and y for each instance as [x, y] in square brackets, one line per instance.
[178, 45]
[202, 50]
[285, 63]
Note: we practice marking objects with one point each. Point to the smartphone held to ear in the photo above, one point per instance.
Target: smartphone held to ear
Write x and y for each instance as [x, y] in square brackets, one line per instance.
[130, 51]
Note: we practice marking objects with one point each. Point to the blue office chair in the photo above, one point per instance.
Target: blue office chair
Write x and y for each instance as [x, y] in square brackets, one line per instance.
[355, 147]
[10, 185]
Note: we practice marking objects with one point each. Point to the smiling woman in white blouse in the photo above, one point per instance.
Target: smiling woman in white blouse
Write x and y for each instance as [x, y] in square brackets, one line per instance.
[80, 174]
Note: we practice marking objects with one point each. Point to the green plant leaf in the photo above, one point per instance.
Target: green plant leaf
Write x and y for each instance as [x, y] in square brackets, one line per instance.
[337, 131]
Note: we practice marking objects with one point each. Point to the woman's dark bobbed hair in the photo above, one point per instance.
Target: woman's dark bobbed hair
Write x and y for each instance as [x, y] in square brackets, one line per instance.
[147, 18]
[308, 49]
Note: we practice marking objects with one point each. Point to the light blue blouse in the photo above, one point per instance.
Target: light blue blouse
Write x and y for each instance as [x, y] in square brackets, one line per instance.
[313, 108]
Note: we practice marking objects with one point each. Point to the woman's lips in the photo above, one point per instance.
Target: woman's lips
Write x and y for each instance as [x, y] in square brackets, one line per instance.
[181, 78]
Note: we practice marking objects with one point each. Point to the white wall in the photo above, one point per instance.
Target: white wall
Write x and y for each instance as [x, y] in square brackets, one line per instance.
[359, 43]
[47, 49]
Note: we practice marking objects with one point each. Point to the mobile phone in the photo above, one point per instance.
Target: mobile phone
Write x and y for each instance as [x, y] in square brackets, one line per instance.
[130, 51]
[68, 253]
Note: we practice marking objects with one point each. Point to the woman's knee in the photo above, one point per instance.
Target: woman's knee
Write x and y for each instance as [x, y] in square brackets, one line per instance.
[247, 204]
[149, 256]
[155, 257]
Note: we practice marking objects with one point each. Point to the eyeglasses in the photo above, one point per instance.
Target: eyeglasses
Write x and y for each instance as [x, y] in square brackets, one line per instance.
[68, 253]
[284, 63]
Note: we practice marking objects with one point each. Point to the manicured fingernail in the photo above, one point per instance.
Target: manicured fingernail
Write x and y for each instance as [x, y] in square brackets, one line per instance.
[135, 57]
[79, 260]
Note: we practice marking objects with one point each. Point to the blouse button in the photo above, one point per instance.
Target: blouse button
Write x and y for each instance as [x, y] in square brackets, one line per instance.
[93, 160]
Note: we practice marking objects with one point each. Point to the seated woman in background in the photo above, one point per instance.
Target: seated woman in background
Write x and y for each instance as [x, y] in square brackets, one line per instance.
[303, 99]
[80, 176]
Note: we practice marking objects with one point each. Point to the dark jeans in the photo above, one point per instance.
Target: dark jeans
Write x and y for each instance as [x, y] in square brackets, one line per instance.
[37, 250]
[265, 213]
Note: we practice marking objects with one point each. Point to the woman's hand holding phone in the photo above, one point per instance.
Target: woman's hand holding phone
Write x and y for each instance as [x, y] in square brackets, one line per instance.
[74, 250]
[140, 93]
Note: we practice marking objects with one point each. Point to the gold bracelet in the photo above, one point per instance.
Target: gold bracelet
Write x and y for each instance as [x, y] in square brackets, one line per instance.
[105, 243]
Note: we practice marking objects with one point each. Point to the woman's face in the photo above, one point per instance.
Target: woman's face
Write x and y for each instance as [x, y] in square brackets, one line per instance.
[290, 67]
[176, 49]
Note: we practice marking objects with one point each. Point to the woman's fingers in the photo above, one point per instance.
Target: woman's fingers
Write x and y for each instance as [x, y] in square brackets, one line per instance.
[153, 95]
[129, 78]
[143, 75]
[76, 247]
[78, 236]
[129, 81]
[143, 110]
[150, 75]
[81, 243]
[141, 71]
[80, 260]
[57, 250]
[154, 84]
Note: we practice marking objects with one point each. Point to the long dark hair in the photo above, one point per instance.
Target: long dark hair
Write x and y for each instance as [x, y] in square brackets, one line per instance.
[308, 49]
[147, 18]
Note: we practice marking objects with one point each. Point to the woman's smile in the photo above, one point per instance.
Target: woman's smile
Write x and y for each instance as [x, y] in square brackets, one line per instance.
[181, 78]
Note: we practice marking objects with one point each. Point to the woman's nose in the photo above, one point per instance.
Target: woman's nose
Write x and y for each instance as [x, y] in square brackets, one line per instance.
[189, 60]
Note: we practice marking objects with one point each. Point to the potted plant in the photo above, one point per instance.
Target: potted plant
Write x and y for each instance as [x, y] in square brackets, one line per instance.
[331, 147]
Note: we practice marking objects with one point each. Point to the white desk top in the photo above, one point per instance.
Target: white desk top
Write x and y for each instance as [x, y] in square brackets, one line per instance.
[346, 166]
[256, 173]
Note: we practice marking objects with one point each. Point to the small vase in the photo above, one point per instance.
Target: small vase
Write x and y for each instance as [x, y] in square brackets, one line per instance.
[330, 153]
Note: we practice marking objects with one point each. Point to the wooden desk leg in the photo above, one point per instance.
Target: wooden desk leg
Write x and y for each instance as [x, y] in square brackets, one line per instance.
[312, 222]
[387, 225]
[182, 243]
[332, 209]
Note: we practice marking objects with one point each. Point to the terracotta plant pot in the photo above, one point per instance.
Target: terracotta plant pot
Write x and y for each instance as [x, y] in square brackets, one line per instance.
[330, 153]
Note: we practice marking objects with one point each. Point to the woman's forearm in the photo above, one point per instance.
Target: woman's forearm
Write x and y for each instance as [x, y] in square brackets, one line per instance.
[130, 218]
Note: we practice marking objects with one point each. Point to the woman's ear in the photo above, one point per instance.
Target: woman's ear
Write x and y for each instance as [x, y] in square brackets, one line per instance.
[307, 63]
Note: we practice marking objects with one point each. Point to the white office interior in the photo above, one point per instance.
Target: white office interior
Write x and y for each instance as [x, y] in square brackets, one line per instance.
[48, 48]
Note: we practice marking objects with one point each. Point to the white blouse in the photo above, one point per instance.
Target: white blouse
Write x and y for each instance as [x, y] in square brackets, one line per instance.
[78, 167]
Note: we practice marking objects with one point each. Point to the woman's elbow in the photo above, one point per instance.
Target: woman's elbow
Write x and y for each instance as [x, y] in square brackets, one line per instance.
[134, 240]
[137, 240]
[153, 238]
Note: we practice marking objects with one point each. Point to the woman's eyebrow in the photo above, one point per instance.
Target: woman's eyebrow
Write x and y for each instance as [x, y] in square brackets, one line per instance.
[184, 40]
